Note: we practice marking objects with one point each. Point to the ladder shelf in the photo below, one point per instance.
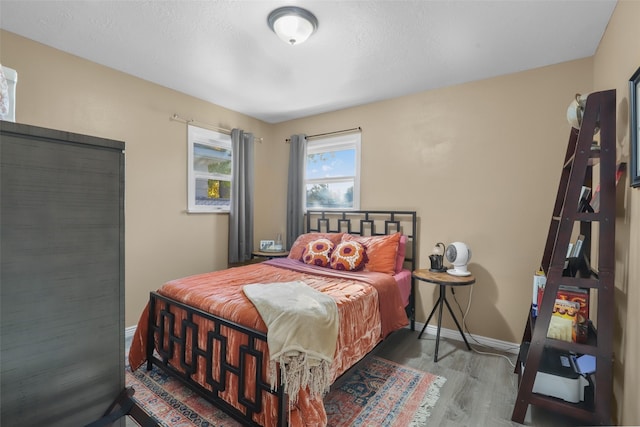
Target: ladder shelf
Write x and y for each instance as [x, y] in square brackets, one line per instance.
[597, 226]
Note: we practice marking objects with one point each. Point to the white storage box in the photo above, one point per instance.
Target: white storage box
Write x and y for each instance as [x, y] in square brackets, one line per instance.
[8, 81]
[556, 376]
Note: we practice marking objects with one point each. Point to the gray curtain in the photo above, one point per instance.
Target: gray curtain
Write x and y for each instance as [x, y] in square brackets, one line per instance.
[241, 210]
[295, 188]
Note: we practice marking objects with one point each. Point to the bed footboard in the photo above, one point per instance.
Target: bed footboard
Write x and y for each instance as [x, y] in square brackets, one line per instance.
[174, 339]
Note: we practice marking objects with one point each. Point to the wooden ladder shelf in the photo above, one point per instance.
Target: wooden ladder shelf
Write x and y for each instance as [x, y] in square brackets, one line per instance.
[599, 112]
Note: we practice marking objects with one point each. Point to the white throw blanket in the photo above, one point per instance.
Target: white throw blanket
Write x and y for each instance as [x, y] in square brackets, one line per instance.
[302, 333]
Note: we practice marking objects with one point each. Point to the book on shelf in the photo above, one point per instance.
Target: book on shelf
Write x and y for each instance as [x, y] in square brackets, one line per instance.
[574, 251]
[577, 247]
[539, 280]
[564, 320]
[580, 296]
[569, 250]
[574, 295]
[585, 198]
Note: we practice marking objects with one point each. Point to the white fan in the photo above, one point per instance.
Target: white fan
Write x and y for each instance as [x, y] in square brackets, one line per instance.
[458, 254]
[575, 112]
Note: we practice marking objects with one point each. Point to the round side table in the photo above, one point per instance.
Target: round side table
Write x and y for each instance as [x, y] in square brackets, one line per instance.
[270, 254]
[443, 280]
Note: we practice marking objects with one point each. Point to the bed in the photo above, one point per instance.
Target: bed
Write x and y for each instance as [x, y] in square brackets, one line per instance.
[204, 330]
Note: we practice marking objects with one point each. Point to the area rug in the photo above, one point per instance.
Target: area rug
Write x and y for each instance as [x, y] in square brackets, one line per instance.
[376, 393]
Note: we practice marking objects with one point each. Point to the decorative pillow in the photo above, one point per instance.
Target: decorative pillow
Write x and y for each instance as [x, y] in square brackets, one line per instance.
[348, 256]
[318, 252]
[402, 251]
[301, 242]
[381, 251]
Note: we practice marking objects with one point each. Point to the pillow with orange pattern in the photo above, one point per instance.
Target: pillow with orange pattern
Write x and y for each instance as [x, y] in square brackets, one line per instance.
[301, 242]
[348, 256]
[381, 251]
[318, 252]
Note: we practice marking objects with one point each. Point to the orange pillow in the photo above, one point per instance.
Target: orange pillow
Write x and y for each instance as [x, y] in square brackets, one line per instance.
[297, 249]
[348, 256]
[381, 251]
[318, 252]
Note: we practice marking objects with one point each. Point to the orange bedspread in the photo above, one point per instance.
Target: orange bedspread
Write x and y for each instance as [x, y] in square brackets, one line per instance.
[369, 306]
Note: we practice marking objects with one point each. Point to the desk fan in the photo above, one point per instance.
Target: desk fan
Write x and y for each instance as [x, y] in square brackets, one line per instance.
[458, 254]
[575, 112]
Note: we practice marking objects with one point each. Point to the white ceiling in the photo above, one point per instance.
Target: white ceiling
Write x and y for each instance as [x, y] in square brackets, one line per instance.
[364, 51]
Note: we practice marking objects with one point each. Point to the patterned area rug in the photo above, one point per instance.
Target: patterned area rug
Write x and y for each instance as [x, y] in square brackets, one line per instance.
[377, 393]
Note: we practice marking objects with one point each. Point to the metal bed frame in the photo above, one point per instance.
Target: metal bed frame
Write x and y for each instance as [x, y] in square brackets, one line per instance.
[165, 330]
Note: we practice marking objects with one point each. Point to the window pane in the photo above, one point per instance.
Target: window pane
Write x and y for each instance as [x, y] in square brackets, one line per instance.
[331, 164]
[330, 195]
[212, 192]
[332, 168]
[209, 159]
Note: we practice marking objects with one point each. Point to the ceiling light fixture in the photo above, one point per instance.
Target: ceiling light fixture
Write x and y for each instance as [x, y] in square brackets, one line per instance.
[292, 24]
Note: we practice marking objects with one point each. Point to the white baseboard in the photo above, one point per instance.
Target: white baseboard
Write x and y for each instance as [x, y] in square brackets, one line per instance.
[128, 332]
[454, 334]
[505, 346]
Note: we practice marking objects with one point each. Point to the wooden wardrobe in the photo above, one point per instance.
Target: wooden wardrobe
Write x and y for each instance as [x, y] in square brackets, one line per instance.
[61, 277]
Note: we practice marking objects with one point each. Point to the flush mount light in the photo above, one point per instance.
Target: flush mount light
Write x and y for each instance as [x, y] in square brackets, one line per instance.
[292, 24]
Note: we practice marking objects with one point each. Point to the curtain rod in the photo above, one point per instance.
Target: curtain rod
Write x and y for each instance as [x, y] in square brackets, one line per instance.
[359, 129]
[209, 126]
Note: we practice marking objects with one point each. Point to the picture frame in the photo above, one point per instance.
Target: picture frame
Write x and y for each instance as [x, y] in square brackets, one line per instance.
[267, 245]
[634, 127]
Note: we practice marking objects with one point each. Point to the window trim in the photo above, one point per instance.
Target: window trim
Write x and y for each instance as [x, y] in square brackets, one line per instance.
[210, 138]
[335, 143]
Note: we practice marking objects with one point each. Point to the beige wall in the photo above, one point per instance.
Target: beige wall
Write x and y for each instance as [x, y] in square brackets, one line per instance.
[479, 162]
[617, 58]
[61, 91]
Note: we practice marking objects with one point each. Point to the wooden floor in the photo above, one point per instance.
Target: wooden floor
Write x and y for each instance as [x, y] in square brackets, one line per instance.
[480, 389]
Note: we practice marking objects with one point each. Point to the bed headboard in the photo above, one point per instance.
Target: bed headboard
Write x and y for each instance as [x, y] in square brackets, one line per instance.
[368, 223]
[372, 223]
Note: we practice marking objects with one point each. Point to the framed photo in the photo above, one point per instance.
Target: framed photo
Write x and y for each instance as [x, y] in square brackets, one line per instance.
[634, 126]
[267, 245]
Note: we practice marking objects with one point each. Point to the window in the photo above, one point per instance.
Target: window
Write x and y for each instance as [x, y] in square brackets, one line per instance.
[332, 173]
[209, 172]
